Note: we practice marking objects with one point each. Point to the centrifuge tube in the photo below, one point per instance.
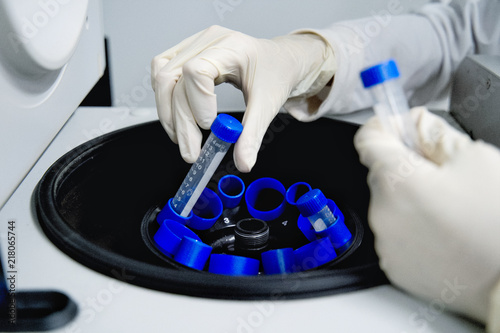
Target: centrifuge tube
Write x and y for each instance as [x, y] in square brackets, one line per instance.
[314, 206]
[391, 105]
[225, 131]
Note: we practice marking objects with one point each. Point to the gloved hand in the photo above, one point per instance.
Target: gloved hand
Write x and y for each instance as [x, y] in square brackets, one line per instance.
[436, 218]
[267, 71]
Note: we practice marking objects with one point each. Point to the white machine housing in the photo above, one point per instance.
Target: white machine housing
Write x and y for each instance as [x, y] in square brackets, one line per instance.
[51, 55]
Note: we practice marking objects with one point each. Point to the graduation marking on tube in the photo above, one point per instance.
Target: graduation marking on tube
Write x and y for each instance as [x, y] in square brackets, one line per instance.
[225, 131]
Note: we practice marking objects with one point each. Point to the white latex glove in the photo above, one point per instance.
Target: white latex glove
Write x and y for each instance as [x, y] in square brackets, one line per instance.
[267, 71]
[436, 218]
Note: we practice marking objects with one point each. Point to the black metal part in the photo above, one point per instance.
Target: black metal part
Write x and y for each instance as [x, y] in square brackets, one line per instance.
[251, 234]
[98, 202]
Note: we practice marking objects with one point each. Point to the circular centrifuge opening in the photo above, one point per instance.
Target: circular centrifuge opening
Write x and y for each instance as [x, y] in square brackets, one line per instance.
[100, 202]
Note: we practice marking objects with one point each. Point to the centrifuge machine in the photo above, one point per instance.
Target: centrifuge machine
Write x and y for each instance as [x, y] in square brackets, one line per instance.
[81, 186]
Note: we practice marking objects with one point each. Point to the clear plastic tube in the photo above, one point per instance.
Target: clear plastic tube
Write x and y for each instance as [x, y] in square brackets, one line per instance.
[391, 105]
[322, 219]
[394, 113]
[314, 206]
[225, 131]
[199, 175]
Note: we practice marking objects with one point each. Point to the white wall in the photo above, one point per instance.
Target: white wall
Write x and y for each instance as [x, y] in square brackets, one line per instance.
[138, 30]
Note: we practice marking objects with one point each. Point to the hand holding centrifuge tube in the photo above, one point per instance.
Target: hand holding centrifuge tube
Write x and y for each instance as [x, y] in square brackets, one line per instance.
[435, 216]
[268, 72]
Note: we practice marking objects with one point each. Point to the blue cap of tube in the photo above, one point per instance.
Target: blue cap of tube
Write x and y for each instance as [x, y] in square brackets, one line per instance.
[193, 253]
[228, 264]
[279, 261]
[379, 73]
[226, 128]
[311, 202]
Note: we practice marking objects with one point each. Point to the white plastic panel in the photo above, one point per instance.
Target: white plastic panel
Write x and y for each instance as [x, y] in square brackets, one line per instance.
[41, 35]
[45, 78]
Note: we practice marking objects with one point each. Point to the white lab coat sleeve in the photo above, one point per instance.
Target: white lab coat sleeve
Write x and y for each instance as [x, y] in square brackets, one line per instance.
[427, 45]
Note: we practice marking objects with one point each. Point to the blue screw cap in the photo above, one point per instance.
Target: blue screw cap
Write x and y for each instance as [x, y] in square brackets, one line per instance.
[227, 128]
[311, 202]
[379, 73]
